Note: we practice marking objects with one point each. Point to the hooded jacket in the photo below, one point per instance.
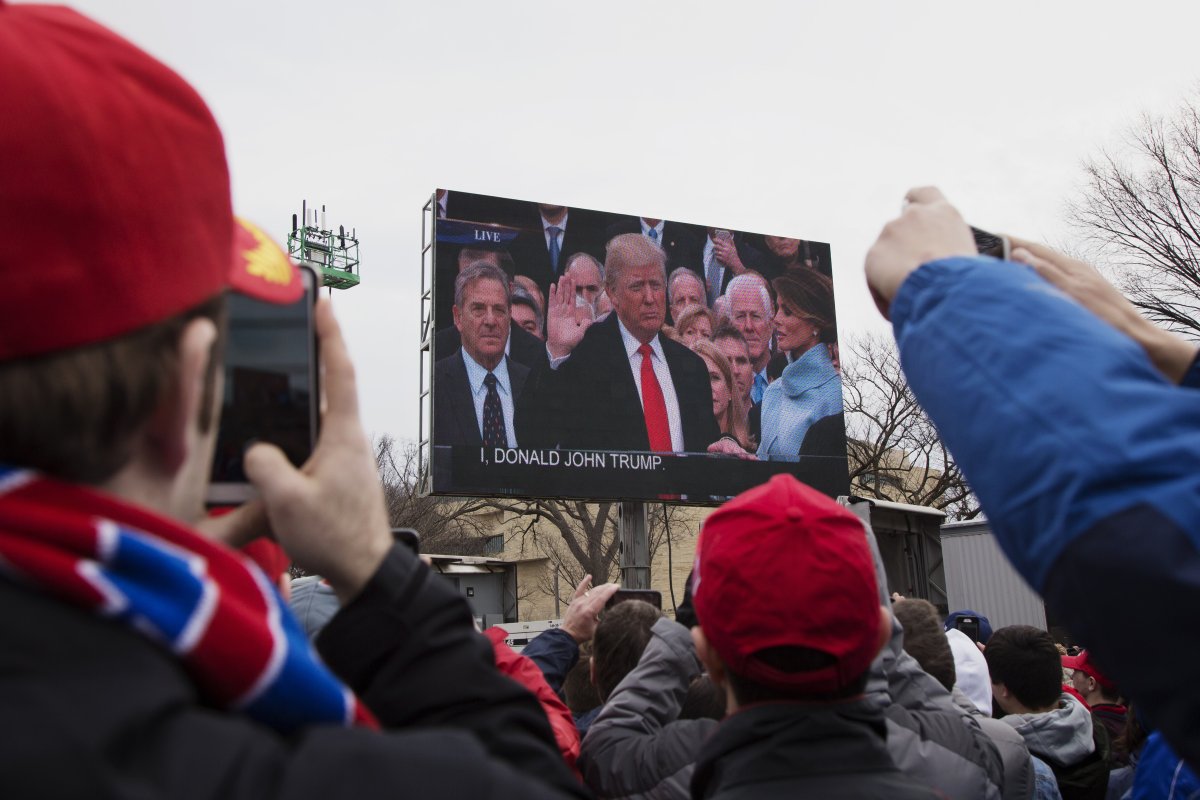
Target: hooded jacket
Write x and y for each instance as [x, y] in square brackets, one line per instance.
[1020, 779]
[1084, 457]
[1066, 739]
[929, 737]
[638, 746]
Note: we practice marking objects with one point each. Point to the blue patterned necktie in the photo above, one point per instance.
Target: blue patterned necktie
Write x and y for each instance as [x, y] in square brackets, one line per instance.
[653, 234]
[554, 231]
[760, 386]
[494, 433]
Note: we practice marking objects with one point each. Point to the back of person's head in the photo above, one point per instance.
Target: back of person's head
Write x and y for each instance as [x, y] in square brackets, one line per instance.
[704, 700]
[925, 640]
[971, 674]
[786, 598]
[116, 216]
[578, 690]
[621, 636]
[1024, 659]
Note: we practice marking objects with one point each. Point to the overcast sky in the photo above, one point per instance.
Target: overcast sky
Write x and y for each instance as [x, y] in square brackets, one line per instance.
[794, 118]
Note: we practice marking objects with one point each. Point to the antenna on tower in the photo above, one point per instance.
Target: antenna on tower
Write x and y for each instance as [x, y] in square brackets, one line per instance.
[336, 259]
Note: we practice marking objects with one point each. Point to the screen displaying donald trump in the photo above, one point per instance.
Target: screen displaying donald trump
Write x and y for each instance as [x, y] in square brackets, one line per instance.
[594, 355]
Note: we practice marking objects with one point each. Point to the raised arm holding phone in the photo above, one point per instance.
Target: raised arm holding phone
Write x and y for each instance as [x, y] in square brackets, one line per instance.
[1063, 411]
[143, 656]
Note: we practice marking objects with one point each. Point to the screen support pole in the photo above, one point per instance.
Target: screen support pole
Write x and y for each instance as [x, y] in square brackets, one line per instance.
[635, 546]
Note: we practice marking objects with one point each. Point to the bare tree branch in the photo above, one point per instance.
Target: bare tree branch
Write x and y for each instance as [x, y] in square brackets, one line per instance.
[1140, 213]
[895, 451]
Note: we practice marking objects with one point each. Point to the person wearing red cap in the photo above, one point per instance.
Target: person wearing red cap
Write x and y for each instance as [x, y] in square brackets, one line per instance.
[1103, 698]
[142, 655]
[790, 621]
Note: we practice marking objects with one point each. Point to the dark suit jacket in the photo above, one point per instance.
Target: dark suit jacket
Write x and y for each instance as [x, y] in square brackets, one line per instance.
[679, 240]
[523, 347]
[531, 256]
[454, 420]
[485, 208]
[591, 401]
[751, 258]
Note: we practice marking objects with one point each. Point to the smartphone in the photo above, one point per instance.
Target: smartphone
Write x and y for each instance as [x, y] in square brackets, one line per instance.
[271, 389]
[969, 626]
[651, 596]
[409, 538]
[992, 244]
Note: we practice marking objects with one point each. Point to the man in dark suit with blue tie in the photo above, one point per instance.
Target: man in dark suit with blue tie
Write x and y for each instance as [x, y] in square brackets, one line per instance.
[553, 234]
[477, 388]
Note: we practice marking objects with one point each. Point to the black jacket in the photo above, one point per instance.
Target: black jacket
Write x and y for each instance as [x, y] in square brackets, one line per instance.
[680, 241]
[454, 420]
[591, 401]
[92, 709]
[531, 253]
[793, 750]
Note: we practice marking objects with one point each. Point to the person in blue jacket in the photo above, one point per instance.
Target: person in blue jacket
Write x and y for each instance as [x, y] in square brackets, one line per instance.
[809, 389]
[1068, 418]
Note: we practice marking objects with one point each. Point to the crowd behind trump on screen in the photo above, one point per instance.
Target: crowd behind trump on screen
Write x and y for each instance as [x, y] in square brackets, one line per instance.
[646, 286]
[146, 655]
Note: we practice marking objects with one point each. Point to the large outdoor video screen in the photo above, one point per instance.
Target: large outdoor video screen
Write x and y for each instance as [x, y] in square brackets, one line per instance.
[594, 355]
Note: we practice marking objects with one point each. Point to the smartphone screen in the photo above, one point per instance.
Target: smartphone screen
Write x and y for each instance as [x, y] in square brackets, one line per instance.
[651, 596]
[991, 244]
[270, 392]
[969, 626]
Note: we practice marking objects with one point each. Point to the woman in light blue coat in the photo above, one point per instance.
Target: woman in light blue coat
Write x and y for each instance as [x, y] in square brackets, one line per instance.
[810, 387]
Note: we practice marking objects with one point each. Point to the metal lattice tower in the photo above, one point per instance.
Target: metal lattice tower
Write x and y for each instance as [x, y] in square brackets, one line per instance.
[333, 253]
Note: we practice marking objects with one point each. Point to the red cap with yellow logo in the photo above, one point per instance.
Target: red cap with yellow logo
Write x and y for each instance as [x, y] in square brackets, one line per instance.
[115, 206]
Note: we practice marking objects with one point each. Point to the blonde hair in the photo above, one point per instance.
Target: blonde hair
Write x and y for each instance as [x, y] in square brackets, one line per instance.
[733, 419]
[631, 250]
[689, 315]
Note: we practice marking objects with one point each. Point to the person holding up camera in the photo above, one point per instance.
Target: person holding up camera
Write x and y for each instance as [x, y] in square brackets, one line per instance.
[143, 656]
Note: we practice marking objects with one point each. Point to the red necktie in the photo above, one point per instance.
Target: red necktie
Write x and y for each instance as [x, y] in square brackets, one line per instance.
[653, 405]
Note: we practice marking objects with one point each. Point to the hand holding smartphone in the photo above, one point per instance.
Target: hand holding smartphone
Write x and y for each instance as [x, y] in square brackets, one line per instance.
[271, 391]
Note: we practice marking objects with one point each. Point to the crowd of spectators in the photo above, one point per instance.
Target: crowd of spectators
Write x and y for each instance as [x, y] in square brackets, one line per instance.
[146, 655]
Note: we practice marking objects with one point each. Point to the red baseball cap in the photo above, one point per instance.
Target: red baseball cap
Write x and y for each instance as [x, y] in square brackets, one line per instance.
[115, 205]
[783, 565]
[1084, 663]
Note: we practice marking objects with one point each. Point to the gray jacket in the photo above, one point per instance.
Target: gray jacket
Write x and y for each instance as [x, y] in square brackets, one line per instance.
[638, 747]
[1020, 782]
[1063, 735]
[929, 737]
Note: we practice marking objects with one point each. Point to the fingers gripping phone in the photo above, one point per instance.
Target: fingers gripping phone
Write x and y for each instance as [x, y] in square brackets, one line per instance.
[271, 391]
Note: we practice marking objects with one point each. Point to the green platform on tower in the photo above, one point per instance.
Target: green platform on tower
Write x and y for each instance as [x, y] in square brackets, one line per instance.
[333, 253]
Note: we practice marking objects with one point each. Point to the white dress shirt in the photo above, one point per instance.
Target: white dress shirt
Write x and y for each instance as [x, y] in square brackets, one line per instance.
[475, 376]
[661, 371]
[658, 229]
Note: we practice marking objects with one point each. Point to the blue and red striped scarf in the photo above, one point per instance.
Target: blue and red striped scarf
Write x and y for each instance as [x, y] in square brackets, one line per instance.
[210, 607]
